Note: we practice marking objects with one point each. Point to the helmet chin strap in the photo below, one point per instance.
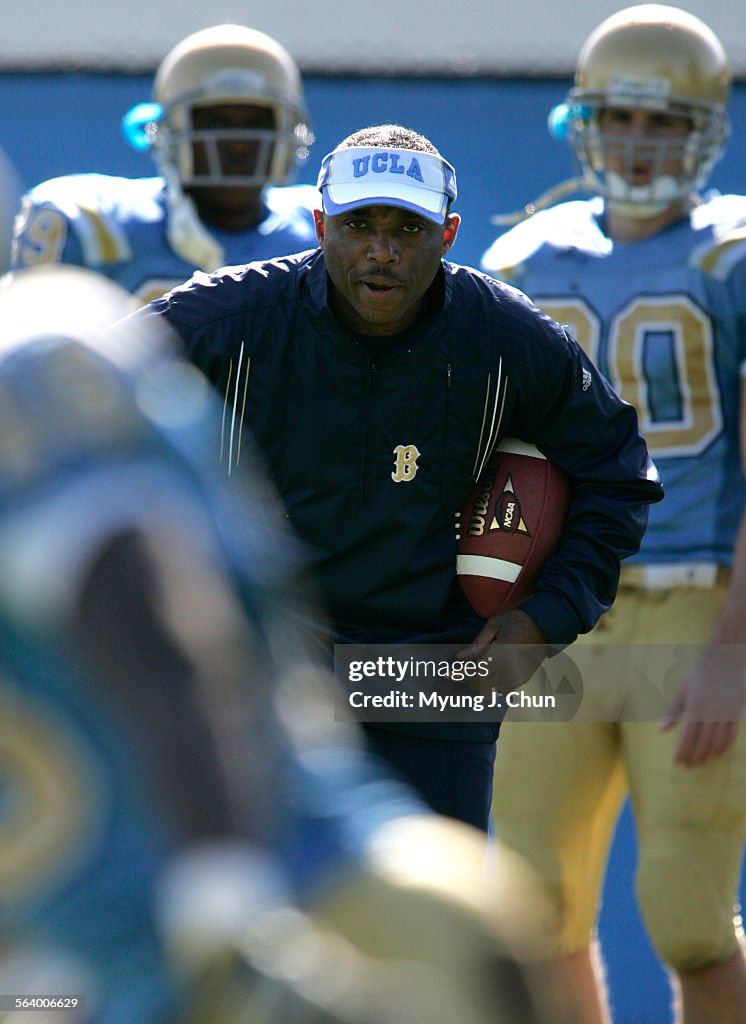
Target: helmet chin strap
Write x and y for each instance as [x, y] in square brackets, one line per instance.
[187, 235]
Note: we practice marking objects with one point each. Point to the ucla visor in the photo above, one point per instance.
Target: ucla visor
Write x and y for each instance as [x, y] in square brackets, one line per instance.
[355, 176]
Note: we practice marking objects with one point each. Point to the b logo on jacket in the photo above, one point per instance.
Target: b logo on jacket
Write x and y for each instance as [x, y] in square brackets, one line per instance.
[405, 463]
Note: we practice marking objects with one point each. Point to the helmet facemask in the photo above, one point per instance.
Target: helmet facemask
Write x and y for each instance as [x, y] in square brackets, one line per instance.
[676, 166]
[249, 82]
[278, 139]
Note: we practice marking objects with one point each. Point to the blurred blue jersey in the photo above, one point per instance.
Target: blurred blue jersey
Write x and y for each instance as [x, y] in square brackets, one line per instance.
[85, 825]
[147, 240]
[665, 320]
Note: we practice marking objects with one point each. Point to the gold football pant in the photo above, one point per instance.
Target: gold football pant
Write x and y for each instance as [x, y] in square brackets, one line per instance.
[559, 787]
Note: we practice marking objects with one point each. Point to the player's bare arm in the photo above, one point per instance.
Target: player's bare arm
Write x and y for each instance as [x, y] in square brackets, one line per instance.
[710, 704]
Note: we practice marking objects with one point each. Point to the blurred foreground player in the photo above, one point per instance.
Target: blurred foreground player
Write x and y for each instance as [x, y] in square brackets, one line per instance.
[227, 127]
[651, 274]
[175, 787]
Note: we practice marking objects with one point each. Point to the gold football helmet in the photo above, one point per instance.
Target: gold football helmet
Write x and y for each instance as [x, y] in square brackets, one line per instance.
[226, 65]
[657, 58]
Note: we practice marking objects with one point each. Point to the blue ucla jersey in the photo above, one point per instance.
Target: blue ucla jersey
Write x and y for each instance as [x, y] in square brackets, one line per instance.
[132, 231]
[665, 320]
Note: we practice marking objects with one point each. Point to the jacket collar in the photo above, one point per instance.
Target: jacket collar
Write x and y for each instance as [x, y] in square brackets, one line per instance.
[316, 282]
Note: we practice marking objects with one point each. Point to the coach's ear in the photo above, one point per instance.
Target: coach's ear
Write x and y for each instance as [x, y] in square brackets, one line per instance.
[318, 217]
[450, 230]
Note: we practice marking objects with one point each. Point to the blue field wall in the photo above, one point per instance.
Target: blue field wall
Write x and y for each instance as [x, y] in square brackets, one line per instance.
[494, 132]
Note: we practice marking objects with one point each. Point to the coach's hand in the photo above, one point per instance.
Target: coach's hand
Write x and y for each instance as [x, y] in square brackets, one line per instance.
[514, 645]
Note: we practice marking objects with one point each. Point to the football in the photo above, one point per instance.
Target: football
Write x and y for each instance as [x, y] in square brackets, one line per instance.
[509, 525]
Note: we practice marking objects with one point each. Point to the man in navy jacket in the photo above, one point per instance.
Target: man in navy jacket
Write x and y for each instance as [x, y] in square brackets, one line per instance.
[377, 378]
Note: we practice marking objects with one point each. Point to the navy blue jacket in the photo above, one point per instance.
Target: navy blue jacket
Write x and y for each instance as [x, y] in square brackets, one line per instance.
[328, 417]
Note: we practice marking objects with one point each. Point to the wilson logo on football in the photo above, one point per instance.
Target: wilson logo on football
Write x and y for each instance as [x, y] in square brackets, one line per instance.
[480, 506]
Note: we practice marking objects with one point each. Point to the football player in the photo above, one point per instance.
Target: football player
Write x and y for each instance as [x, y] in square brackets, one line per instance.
[650, 272]
[116, 752]
[227, 126]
